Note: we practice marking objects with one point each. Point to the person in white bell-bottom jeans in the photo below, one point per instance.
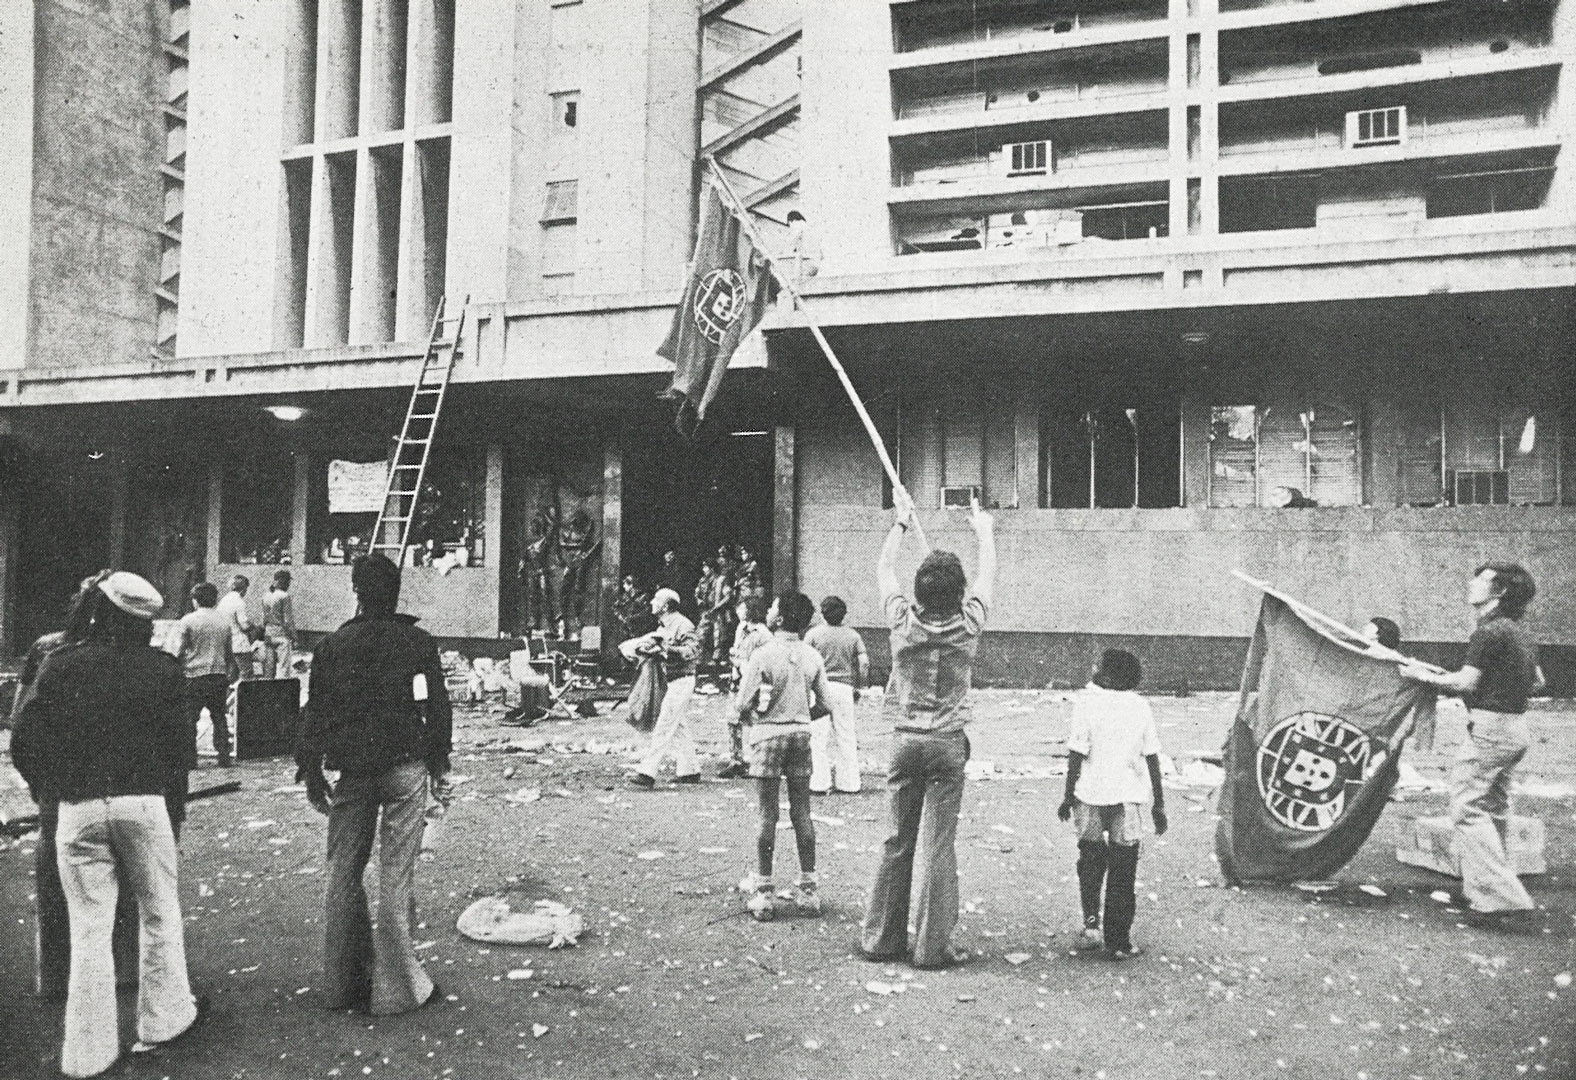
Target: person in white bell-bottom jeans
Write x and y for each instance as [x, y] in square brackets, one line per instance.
[834, 740]
[675, 639]
[99, 842]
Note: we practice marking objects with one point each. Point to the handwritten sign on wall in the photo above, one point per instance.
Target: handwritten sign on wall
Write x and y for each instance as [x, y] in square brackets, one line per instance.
[356, 487]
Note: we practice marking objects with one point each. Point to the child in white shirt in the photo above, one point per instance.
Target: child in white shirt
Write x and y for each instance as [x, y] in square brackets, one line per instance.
[1112, 741]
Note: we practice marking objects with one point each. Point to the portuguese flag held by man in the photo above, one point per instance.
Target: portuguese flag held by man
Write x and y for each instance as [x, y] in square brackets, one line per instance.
[1314, 751]
[724, 300]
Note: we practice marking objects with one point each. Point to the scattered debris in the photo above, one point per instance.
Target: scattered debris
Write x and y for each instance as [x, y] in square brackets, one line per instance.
[491, 920]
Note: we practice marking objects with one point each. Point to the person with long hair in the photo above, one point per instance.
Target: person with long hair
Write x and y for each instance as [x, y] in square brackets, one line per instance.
[104, 731]
[52, 938]
[1500, 672]
[934, 640]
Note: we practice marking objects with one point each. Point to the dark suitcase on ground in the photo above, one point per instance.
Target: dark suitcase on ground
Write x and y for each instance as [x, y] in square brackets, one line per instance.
[265, 717]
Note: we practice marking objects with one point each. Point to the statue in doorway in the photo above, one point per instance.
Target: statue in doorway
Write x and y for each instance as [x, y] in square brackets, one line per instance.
[577, 548]
[536, 594]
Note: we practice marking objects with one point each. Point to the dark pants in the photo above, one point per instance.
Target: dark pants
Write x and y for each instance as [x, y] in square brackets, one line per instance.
[925, 778]
[1112, 867]
[209, 692]
[798, 813]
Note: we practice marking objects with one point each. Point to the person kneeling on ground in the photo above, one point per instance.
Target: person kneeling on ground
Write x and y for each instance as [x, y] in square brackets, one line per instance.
[1113, 738]
[783, 689]
[379, 713]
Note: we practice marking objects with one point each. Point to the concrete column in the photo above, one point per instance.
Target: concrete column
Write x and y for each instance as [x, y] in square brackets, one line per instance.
[785, 521]
[1195, 450]
[212, 557]
[1026, 450]
[10, 533]
[118, 481]
[300, 506]
[1381, 453]
[612, 543]
[493, 528]
[16, 175]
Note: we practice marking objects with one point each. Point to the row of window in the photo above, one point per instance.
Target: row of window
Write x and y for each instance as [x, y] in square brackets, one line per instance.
[1296, 454]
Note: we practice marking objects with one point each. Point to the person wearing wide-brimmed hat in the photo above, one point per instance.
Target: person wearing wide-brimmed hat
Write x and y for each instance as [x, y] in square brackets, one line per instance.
[105, 730]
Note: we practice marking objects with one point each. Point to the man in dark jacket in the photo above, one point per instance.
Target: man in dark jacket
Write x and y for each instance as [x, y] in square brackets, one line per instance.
[379, 715]
[104, 732]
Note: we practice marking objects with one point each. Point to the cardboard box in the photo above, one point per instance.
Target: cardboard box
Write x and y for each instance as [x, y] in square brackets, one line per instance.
[1428, 843]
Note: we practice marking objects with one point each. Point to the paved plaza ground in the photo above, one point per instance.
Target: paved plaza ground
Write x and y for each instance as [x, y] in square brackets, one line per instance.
[672, 979]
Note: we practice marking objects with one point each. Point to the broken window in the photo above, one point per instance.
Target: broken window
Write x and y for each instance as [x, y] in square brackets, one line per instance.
[1505, 454]
[1112, 456]
[1233, 455]
[451, 513]
[1285, 455]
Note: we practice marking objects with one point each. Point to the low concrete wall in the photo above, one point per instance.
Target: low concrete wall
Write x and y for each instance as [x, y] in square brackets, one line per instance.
[1074, 580]
[460, 604]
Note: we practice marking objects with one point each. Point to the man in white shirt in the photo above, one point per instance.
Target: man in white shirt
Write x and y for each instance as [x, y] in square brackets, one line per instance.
[1112, 744]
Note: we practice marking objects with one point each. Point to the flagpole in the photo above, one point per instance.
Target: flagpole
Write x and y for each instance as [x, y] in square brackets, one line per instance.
[742, 212]
[1381, 651]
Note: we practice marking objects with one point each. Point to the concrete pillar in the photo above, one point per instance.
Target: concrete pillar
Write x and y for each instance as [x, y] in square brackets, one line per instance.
[118, 481]
[1026, 449]
[785, 520]
[492, 529]
[10, 533]
[1382, 448]
[612, 543]
[1195, 450]
[212, 557]
[300, 505]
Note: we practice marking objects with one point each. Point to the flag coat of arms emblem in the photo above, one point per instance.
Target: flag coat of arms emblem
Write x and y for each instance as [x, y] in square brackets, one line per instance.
[724, 300]
[1313, 753]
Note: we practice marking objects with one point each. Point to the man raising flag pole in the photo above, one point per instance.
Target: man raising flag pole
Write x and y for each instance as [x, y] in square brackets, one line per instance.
[723, 301]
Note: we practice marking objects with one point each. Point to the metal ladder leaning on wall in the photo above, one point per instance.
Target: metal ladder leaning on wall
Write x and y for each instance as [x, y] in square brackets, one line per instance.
[408, 468]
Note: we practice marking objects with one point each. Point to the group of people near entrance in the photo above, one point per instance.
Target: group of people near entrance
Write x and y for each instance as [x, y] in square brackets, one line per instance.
[102, 736]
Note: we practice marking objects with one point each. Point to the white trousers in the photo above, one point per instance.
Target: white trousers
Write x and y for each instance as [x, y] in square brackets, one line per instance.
[102, 845]
[834, 742]
[671, 736]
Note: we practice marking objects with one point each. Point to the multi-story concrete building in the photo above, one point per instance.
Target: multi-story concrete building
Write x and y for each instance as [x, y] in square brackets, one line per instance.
[1180, 286]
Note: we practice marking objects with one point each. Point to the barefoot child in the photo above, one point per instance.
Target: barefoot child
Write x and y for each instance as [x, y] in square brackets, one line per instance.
[1113, 738]
[783, 689]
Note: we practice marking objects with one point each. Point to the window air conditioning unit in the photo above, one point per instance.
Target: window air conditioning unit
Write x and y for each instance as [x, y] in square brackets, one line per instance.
[960, 495]
[1376, 127]
[1480, 487]
[1026, 158]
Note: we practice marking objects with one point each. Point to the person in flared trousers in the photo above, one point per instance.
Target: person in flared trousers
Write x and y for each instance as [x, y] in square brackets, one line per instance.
[1500, 672]
[379, 715]
[104, 732]
[934, 640]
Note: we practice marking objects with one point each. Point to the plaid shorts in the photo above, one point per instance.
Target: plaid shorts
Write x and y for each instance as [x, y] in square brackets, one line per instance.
[781, 755]
[1124, 821]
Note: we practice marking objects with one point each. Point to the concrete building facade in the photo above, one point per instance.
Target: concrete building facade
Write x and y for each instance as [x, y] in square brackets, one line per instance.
[1177, 286]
